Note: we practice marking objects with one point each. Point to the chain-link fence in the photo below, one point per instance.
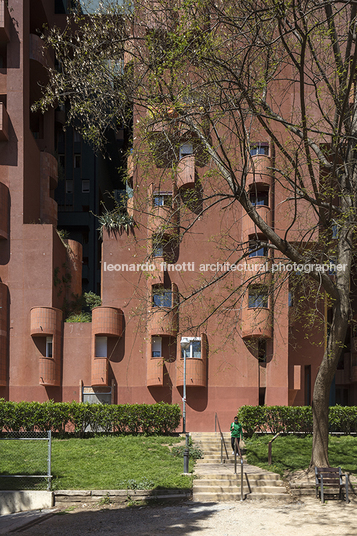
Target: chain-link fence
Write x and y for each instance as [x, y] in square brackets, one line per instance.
[25, 460]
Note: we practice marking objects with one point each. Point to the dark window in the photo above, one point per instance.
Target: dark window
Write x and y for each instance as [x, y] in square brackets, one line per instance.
[259, 198]
[257, 297]
[257, 249]
[162, 199]
[161, 297]
[262, 350]
[259, 148]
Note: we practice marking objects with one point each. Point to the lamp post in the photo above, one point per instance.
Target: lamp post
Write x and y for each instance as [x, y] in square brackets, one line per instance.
[186, 451]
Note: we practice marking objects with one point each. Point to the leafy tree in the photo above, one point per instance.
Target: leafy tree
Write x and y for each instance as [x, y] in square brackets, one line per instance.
[227, 75]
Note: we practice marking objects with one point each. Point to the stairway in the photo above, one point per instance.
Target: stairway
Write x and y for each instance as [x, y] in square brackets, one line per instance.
[217, 482]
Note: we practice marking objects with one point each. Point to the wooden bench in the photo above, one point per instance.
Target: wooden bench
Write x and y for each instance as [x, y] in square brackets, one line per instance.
[329, 481]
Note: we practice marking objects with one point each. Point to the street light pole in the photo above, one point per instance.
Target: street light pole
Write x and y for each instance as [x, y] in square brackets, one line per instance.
[184, 395]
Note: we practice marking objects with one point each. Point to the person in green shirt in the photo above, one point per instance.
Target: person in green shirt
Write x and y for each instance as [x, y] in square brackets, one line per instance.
[236, 432]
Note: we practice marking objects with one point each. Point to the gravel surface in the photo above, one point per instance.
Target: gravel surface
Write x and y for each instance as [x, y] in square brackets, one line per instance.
[307, 518]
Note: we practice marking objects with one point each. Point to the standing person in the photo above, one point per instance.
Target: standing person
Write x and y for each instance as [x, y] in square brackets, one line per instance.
[236, 433]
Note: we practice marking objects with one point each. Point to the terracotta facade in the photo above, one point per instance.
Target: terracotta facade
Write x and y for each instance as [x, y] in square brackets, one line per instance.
[141, 336]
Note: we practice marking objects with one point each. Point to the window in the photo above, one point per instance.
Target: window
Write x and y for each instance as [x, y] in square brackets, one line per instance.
[257, 249]
[69, 187]
[161, 297]
[85, 186]
[101, 346]
[259, 148]
[191, 347]
[77, 161]
[77, 138]
[290, 299]
[185, 150]
[161, 199]
[49, 346]
[334, 231]
[157, 249]
[259, 198]
[257, 297]
[156, 347]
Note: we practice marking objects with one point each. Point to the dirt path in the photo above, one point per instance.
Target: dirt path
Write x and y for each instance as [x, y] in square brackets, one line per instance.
[308, 518]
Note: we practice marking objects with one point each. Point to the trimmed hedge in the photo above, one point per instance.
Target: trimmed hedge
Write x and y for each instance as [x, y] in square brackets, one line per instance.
[62, 417]
[274, 419]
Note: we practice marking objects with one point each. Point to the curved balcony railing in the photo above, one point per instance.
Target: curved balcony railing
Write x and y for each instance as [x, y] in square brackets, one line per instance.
[257, 323]
[260, 171]
[186, 171]
[155, 372]
[107, 321]
[38, 52]
[99, 371]
[163, 220]
[249, 227]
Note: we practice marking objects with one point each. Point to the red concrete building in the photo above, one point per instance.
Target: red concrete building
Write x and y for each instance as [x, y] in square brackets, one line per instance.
[134, 349]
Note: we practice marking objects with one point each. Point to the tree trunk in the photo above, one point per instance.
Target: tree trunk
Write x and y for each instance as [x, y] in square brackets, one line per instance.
[320, 402]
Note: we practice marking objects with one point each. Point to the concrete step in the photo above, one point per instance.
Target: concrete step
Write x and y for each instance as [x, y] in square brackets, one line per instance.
[225, 497]
[259, 478]
[228, 488]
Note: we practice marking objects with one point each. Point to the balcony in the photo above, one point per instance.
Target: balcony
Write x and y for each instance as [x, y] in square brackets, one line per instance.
[99, 372]
[186, 171]
[196, 367]
[5, 22]
[4, 211]
[163, 220]
[107, 321]
[260, 172]
[249, 227]
[45, 321]
[37, 51]
[257, 323]
[155, 372]
[162, 313]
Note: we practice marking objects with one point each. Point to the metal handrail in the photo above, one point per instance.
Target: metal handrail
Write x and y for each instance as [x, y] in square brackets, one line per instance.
[223, 443]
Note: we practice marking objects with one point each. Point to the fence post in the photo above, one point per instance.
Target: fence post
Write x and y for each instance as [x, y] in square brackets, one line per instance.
[49, 435]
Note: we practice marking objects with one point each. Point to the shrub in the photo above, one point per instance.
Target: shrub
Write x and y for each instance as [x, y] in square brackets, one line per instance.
[58, 416]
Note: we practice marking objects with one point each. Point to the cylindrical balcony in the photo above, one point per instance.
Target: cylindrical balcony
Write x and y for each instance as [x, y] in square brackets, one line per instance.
[3, 333]
[99, 372]
[196, 367]
[260, 172]
[163, 220]
[155, 372]
[38, 52]
[257, 323]
[186, 171]
[107, 321]
[249, 227]
[45, 321]
[162, 321]
[4, 211]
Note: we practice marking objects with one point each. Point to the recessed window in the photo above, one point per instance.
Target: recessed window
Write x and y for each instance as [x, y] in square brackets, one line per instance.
[77, 138]
[85, 186]
[157, 249]
[49, 341]
[156, 347]
[185, 150]
[77, 161]
[257, 249]
[161, 199]
[161, 297]
[259, 197]
[101, 346]
[191, 347]
[257, 297]
[259, 148]
[69, 187]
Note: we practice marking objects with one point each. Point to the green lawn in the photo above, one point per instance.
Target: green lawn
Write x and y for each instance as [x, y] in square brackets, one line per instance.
[291, 453]
[107, 462]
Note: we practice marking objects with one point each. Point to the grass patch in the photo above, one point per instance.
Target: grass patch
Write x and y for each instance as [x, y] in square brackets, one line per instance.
[103, 462]
[292, 453]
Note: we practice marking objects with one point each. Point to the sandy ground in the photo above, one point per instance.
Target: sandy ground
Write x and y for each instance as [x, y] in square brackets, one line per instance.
[307, 518]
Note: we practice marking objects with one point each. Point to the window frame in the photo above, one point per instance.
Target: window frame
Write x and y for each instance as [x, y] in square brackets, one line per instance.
[258, 297]
[189, 343]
